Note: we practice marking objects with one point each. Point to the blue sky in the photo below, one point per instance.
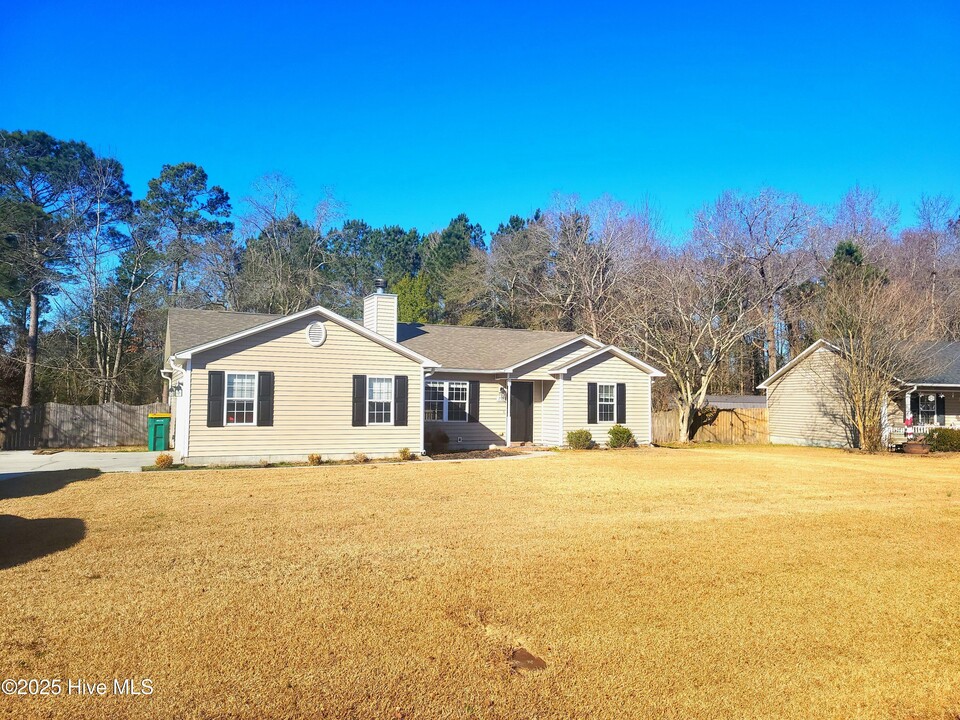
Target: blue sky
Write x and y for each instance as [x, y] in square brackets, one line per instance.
[414, 113]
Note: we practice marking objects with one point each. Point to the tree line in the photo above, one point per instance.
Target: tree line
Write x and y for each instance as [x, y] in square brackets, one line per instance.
[87, 273]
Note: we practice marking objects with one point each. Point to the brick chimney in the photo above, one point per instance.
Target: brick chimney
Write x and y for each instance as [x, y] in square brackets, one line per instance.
[380, 311]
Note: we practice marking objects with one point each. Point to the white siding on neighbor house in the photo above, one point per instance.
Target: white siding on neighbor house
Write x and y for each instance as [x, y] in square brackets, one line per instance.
[313, 396]
[802, 409]
[491, 428]
[607, 368]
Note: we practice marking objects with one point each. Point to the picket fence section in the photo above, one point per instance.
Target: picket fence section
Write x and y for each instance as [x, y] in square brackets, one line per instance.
[53, 425]
[732, 427]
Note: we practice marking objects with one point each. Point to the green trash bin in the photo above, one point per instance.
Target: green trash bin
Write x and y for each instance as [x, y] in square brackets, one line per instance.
[158, 431]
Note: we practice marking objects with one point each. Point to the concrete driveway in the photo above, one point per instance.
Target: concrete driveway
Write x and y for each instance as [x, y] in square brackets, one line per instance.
[18, 462]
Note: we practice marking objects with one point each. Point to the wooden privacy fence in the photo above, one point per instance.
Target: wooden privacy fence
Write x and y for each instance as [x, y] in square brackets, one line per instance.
[733, 427]
[53, 425]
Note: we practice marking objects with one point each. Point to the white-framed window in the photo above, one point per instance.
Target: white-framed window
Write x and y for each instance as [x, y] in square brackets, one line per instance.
[434, 401]
[606, 402]
[457, 393]
[447, 400]
[240, 407]
[928, 409]
[379, 400]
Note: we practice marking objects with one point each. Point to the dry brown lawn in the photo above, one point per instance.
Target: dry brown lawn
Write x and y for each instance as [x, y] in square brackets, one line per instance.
[704, 583]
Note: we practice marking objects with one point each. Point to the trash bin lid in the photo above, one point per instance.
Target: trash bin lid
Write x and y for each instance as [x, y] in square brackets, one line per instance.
[159, 415]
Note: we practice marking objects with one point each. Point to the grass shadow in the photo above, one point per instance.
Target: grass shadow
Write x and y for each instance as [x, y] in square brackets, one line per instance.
[23, 540]
[43, 483]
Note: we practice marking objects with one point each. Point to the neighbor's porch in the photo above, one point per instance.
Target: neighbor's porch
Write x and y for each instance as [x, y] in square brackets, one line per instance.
[923, 408]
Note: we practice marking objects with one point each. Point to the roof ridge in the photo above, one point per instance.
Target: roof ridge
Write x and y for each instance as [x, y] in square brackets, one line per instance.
[223, 312]
[488, 327]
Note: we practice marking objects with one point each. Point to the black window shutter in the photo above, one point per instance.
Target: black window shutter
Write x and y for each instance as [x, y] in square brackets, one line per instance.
[941, 410]
[400, 392]
[265, 399]
[359, 400]
[473, 402]
[591, 403]
[215, 380]
[621, 403]
[915, 407]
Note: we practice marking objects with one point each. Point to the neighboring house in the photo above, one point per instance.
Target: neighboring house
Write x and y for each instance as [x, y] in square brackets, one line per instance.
[248, 387]
[804, 409]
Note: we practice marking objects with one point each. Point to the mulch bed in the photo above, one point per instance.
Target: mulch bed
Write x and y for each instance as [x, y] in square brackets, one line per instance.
[477, 454]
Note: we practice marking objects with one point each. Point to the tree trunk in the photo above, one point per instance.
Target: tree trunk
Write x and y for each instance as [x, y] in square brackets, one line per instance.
[771, 328]
[684, 417]
[26, 399]
[175, 287]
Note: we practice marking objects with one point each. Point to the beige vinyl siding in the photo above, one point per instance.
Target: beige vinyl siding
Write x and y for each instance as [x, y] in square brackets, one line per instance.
[607, 368]
[312, 396]
[380, 314]
[491, 428]
[895, 412]
[539, 369]
[801, 407]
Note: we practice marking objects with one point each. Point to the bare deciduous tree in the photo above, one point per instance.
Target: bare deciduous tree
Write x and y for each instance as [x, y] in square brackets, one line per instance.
[768, 233]
[689, 311]
[881, 342]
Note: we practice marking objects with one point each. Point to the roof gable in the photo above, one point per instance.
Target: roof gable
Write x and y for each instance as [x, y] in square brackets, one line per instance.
[818, 345]
[944, 357]
[318, 310]
[563, 367]
[486, 349]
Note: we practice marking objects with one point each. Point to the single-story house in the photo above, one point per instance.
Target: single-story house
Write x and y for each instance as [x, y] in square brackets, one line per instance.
[804, 409]
[247, 387]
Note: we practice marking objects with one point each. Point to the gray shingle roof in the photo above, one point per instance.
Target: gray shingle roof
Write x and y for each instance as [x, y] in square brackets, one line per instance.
[189, 328]
[944, 361]
[732, 402]
[453, 346]
[478, 348]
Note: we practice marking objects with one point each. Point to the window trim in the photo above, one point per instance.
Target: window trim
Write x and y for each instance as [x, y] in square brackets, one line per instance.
[393, 412]
[612, 404]
[445, 384]
[226, 398]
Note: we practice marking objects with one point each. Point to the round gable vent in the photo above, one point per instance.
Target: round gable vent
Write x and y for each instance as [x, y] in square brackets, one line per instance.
[316, 334]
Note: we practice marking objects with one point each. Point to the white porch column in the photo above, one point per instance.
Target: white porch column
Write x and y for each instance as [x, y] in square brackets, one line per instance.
[509, 396]
[181, 438]
[907, 414]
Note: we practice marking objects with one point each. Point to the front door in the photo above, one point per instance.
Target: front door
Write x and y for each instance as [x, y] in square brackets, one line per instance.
[521, 412]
